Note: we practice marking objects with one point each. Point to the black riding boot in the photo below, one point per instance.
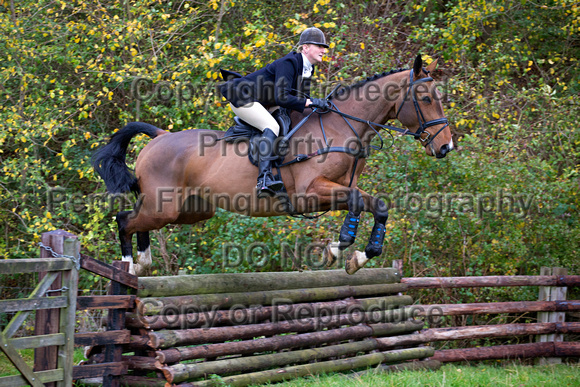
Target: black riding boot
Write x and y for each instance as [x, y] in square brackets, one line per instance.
[267, 185]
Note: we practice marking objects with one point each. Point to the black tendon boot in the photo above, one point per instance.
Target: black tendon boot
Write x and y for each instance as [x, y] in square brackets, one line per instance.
[267, 186]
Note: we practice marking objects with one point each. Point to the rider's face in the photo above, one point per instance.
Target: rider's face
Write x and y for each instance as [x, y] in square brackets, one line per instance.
[314, 52]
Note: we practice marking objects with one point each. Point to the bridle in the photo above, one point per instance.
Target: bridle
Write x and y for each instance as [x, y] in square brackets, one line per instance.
[360, 152]
[423, 125]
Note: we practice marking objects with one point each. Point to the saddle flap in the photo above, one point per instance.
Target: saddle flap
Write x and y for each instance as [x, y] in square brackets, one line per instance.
[242, 125]
[282, 116]
[240, 131]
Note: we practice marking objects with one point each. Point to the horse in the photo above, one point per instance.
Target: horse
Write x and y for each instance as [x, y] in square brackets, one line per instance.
[183, 177]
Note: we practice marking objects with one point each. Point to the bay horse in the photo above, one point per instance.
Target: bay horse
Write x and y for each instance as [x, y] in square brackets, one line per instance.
[183, 177]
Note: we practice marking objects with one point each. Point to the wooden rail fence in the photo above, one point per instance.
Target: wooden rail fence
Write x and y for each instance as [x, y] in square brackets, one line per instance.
[252, 328]
[551, 309]
[55, 337]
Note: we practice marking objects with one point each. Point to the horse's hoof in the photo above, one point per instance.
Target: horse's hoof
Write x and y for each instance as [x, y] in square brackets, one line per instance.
[355, 262]
[331, 253]
[144, 257]
[139, 269]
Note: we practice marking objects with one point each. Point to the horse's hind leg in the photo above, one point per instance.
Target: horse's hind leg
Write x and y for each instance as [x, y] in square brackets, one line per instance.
[126, 239]
[144, 260]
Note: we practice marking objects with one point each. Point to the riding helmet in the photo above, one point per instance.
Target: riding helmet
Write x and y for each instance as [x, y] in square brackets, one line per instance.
[313, 35]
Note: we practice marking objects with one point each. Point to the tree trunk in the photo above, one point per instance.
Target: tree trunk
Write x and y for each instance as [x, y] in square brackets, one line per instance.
[209, 302]
[491, 281]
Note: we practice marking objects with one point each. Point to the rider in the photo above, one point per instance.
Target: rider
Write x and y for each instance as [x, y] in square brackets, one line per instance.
[276, 85]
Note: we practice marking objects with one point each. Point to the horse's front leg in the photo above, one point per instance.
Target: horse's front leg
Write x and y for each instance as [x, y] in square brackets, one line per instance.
[349, 228]
[380, 211]
[374, 248]
[348, 232]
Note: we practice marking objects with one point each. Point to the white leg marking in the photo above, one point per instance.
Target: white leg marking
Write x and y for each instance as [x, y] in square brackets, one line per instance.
[331, 253]
[355, 262]
[144, 258]
[131, 265]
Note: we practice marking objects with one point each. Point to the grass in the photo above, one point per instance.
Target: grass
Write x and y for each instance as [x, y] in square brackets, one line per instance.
[453, 375]
[8, 369]
[450, 375]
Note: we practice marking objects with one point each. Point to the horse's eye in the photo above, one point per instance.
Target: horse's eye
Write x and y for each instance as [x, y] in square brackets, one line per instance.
[426, 99]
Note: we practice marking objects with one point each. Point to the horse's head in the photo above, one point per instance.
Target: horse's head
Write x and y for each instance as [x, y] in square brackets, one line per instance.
[419, 109]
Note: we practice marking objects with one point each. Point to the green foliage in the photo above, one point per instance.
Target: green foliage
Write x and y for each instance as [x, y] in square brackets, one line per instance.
[70, 77]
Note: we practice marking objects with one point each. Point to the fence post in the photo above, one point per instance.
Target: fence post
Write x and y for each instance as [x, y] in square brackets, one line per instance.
[551, 293]
[70, 279]
[398, 264]
[48, 320]
[115, 322]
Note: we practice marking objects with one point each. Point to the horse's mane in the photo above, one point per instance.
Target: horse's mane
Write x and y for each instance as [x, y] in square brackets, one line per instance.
[345, 89]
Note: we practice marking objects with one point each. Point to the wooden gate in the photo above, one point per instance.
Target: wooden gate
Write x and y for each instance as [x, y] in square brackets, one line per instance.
[60, 269]
[55, 337]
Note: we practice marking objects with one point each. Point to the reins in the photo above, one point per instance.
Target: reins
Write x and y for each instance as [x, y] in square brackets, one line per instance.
[362, 153]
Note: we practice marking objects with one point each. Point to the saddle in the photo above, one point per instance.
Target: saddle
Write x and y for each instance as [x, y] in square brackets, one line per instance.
[241, 131]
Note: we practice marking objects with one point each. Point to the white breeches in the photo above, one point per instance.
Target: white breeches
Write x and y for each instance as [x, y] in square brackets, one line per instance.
[256, 115]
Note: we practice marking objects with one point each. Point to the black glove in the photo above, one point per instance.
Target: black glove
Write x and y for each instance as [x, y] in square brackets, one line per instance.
[318, 103]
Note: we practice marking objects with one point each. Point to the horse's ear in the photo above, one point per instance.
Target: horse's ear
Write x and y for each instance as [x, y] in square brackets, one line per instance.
[432, 66]
[418, 65]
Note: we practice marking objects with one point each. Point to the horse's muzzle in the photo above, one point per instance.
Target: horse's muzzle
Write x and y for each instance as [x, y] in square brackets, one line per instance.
[443, 151]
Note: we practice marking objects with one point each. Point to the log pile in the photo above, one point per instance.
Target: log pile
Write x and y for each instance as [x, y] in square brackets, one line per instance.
[241, 329]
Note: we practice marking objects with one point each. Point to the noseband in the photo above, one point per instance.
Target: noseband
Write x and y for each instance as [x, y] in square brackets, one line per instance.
[423, 125]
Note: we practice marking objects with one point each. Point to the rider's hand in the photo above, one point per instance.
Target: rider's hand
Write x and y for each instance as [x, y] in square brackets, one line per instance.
[318, 103]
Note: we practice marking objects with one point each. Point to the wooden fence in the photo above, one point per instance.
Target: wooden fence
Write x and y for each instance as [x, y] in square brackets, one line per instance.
[551, 308]
[253, 328]
[55, 337]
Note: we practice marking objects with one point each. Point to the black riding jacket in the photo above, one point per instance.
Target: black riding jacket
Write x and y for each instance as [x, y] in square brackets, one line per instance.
[279, 83]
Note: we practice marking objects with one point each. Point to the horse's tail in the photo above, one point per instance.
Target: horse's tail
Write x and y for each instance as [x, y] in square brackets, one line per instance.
[109, 161]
